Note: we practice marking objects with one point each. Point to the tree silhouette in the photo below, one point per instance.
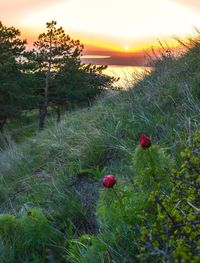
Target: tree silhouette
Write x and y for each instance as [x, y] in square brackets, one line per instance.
[49, 54]
[14, 93]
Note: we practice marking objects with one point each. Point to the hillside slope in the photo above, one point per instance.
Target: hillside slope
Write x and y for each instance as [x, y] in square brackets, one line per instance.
[50, 183]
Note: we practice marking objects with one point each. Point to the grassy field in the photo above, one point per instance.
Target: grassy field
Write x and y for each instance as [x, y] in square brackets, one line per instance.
[53, 207]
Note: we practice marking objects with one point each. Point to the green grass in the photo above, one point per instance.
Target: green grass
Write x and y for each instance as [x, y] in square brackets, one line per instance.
[24, 127]
[41, 169]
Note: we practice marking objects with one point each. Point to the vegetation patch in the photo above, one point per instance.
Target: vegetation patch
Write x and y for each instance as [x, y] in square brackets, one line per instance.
[115, 182]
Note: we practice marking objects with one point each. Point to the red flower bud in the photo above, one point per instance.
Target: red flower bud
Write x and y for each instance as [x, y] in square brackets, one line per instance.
[109, 181]
[145, 141]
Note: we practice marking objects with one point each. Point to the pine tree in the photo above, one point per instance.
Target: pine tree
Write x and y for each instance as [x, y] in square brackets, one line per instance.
[49, 54]
[13, 90]
[78, 84]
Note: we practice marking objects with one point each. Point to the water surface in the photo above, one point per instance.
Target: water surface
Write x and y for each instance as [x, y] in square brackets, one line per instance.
[128, 75]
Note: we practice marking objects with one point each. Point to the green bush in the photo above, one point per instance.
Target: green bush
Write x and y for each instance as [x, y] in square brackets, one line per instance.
[173, 234]
[25, 237]
[151, 168]
[120, 210]
[36, 230]
[118, 205]
[154, 219]
[8, 226]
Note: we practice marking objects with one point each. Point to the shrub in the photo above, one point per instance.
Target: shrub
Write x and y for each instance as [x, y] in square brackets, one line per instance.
[173, 234]
[145, 222]
[35, 228]
[120, 208]
[151, 168]
[25, 237]
[8, 226]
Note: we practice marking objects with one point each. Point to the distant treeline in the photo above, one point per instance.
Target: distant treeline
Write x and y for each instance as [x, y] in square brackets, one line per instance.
[50, 75]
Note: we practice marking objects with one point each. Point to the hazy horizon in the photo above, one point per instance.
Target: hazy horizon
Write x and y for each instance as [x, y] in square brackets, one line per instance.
[120, 30]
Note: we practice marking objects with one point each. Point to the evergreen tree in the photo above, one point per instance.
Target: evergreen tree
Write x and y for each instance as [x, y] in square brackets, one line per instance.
[77, 84]
[49, 53]
[14, 92]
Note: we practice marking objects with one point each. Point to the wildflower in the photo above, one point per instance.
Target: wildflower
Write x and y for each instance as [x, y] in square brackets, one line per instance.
[145, 141]
[109, 181]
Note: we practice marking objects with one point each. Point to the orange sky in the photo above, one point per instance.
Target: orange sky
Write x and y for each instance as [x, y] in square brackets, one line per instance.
[117, 25]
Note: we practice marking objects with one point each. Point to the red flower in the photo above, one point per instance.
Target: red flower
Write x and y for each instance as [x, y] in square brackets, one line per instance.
[145, 141]
[109, 181]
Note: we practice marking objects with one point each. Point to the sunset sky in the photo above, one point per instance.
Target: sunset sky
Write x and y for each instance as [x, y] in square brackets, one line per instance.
[103, 25]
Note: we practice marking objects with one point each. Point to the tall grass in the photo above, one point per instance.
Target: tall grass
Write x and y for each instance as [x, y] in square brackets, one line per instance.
[41, 171]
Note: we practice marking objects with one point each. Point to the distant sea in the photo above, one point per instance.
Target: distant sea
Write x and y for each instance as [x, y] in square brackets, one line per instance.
[128, 74]
[120, 66]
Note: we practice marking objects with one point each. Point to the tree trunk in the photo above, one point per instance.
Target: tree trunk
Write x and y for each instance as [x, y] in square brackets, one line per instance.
[58, 114]
[43, 114]
[3, 120]
[44, 107]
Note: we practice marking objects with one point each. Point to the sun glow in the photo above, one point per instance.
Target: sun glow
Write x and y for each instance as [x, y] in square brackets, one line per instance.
[126, 48]
[138, 23]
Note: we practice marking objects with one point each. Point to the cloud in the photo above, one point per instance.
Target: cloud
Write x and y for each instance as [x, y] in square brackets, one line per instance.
[194, 4]
[24, 4]
[17, 8]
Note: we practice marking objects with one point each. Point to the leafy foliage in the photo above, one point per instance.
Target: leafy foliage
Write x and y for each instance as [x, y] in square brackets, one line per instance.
[78, 84]
[27, 235]
[173, 234]
[15, 94]
[154, 224]
[59, 77]
[151, 168]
